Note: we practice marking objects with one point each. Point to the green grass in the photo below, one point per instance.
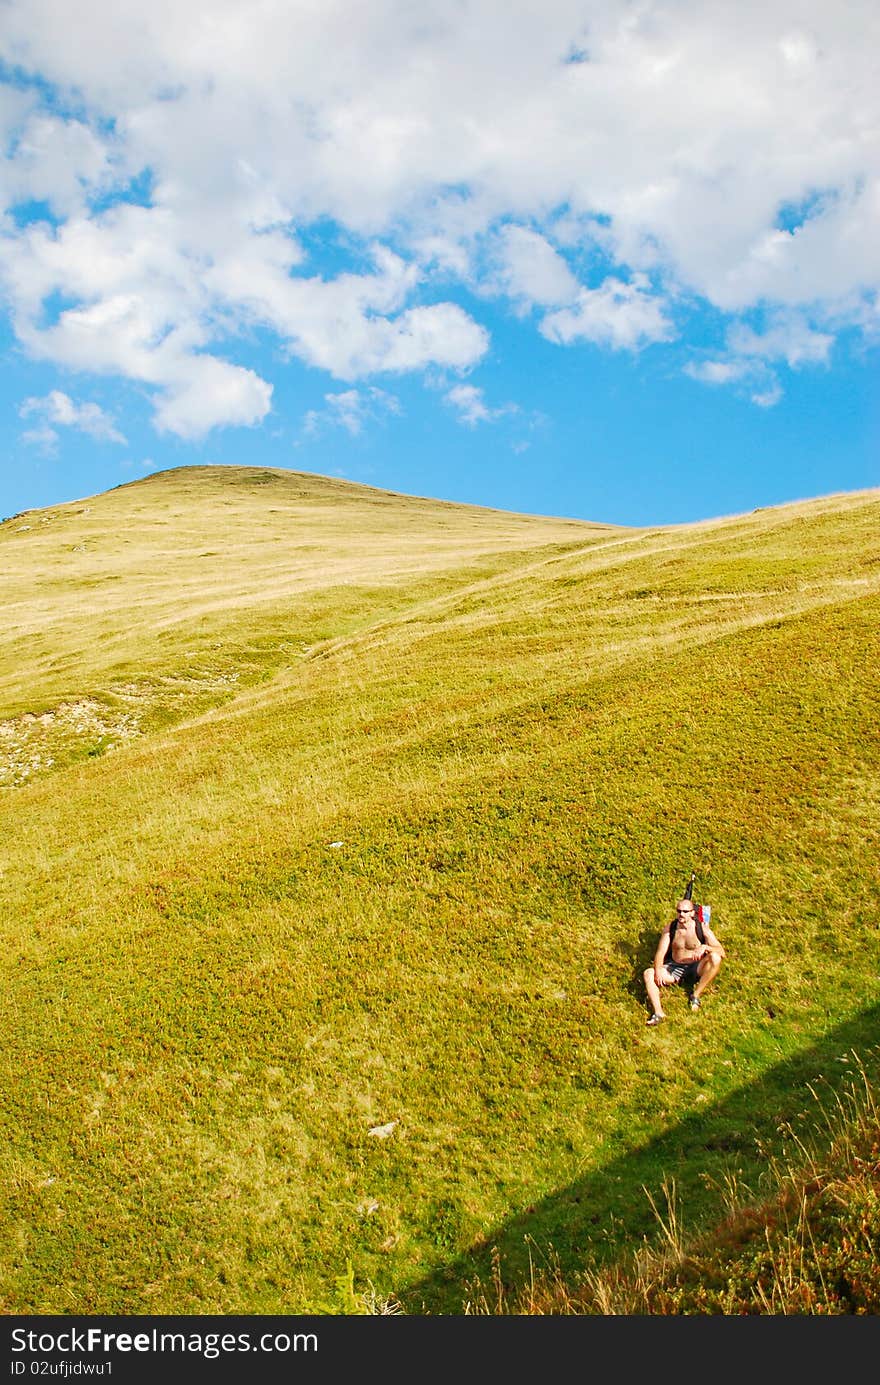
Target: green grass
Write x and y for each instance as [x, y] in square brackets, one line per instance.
[371, 815]
[804, 1240]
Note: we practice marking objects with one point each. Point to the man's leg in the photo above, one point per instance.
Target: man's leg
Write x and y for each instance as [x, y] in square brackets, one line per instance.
[653, 992]
[708, 968]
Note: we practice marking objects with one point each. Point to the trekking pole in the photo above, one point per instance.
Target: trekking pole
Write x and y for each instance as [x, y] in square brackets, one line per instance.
[689, 887]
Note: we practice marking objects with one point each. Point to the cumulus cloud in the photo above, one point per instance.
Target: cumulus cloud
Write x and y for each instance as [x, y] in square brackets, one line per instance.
[358, 343]
[58, 162]
[42, 437]
[148, 302]
[140, 310]
[350, 410]
[469, 401]
[58, 408]
[751, 378]
[351, 326]
[616, 314]
[203, 392]
[785, 337]
[716, 372]
[766, 398]
[788, 339]
[526, 267]
[728, 152]
[128, 335]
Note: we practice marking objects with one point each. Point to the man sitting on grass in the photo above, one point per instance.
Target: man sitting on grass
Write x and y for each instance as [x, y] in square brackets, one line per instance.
[688, 952]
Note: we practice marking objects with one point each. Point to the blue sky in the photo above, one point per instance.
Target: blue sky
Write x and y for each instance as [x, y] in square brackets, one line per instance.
[610, 259]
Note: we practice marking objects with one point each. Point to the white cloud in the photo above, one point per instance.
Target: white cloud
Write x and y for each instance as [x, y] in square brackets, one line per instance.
[751, 377]
[141, 311]
[472, 408]
[457, 141]
[442, 334]
[716, 372]
[622, 316]
[788, 339]
[351, 410]
[203, 392]
[147, 306]
[335, 325]
[58, 408]
[57, 161]
[765, 399]
[42, 437]
[527, 268]
[350, 326]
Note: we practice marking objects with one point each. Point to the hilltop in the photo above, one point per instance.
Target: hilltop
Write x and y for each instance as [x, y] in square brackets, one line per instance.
[338, 826]
[197, 552]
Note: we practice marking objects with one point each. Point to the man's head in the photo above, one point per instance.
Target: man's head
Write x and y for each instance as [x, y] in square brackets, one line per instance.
[684, 909]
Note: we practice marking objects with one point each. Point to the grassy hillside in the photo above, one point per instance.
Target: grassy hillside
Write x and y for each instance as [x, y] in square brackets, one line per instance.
[338, 827]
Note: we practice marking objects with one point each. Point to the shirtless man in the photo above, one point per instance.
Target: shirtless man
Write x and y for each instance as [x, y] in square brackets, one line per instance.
[683, 959]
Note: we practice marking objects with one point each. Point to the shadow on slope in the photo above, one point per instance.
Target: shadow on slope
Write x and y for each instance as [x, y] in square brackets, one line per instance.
[597, 1218]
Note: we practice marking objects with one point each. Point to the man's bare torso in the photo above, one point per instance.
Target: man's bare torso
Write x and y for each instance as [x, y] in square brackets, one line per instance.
[685, 943]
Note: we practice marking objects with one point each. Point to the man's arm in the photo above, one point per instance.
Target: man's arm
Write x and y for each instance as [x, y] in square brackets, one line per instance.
[712, 941]
[660, 954]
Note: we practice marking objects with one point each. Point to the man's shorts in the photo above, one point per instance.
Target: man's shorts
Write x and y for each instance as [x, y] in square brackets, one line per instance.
[683, 971]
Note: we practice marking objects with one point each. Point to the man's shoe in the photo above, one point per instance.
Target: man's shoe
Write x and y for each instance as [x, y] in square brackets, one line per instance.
[653, 1020]
[695, 1002]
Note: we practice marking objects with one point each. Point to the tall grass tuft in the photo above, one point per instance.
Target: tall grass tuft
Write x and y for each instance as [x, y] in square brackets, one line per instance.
[810, 1243]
